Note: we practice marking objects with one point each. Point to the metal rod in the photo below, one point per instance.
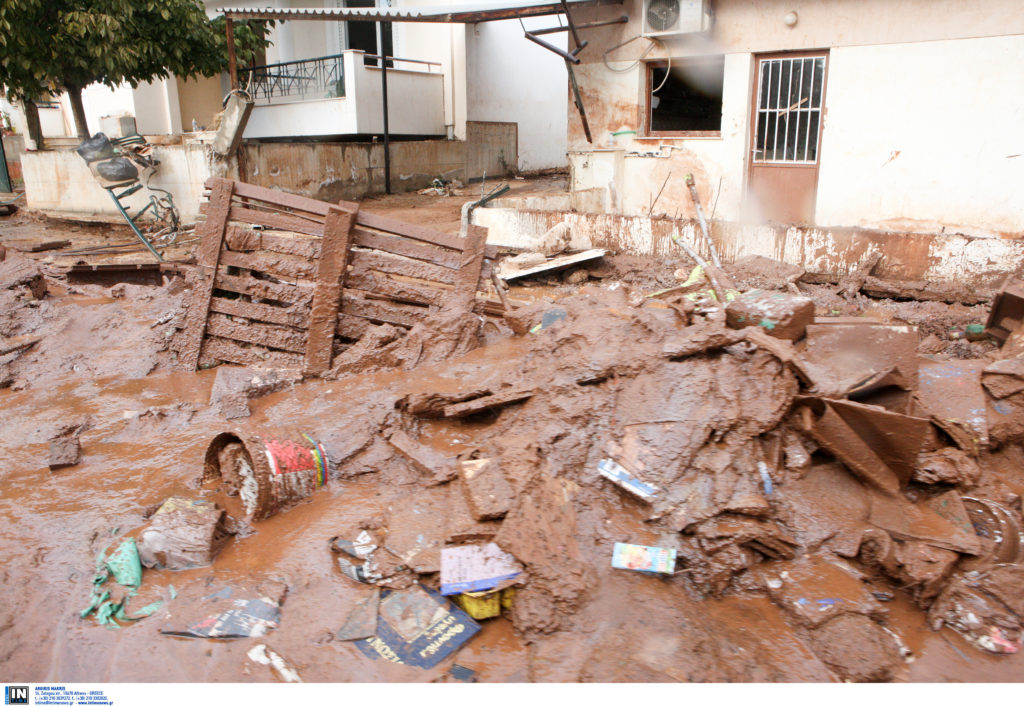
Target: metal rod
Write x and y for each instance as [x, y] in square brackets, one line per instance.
[588, 25]
[572, 28]
[384, 95]
[703, 222]
[579, 101]
[232, 61]
[132, 225]
[552, 48]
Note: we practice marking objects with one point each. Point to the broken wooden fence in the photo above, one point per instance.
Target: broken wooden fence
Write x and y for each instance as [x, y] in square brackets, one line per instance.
[280, 276]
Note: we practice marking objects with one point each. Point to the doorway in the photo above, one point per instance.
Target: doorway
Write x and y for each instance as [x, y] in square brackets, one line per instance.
[788, 101]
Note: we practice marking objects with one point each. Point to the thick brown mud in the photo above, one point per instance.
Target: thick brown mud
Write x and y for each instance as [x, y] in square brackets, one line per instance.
[601, 385]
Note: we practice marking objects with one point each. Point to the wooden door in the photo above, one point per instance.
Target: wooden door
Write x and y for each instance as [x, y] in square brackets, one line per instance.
[785, 127]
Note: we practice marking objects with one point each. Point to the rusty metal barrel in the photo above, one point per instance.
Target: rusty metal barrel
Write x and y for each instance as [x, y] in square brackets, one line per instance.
[268, 471]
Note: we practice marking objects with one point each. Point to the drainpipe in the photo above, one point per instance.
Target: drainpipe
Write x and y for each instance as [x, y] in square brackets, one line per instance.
[381, 26]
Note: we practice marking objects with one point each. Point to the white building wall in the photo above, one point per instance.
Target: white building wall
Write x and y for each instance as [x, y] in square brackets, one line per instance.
[924, 136]
[922, 123]
[511, 79]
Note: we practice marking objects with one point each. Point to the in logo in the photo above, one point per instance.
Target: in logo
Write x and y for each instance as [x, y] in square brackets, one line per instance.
[16, 695]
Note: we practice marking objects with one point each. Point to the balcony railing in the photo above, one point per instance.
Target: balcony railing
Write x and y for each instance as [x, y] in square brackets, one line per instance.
[321, 77]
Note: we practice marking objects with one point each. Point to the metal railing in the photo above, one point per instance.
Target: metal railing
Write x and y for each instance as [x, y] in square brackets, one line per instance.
[322, 77]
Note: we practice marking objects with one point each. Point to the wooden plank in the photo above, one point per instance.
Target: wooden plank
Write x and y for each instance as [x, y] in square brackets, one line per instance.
[467, 281]
[352, 327]
[383, 286]
[291, 244]
[270, 336]
[382, 311]
[409, 230]
[290, 294]
[487, 402]
[291, 201]
[272, 264]
[211, 234]
[290, 316]
[330, 278]
[559, 261]
[283, 222]
[403, 246]
[364, 260]
[215, 349]
[241, 239]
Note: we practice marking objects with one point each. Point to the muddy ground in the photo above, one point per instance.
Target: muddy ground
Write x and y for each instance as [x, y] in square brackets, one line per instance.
[103, 362]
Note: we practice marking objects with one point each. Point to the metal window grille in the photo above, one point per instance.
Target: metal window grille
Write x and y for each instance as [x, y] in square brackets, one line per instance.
[789, 101]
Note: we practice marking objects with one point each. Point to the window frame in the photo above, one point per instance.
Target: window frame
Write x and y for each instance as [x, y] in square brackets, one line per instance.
[648, 131]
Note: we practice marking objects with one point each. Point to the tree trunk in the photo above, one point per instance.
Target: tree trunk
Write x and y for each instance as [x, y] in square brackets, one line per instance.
[35, 130]
[78, 109]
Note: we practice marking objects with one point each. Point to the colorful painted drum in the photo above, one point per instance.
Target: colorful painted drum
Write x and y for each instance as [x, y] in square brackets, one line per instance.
[268, 472]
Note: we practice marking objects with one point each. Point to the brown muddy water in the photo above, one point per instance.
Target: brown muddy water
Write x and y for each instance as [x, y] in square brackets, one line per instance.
[146, 441]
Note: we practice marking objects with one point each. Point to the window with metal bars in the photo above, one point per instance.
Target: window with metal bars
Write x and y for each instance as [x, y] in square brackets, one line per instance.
[789, 102]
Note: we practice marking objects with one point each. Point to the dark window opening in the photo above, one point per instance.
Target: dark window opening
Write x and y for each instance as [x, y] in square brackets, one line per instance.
[365, 36]
[689, 99]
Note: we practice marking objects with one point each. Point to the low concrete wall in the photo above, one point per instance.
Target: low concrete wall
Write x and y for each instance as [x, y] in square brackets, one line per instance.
[934, 257]
[58, 182]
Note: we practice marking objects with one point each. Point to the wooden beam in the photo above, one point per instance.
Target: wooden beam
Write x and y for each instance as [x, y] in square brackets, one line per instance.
[330, 278]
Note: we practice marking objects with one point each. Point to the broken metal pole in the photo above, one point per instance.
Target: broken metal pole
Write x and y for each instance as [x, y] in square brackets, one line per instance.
[384, 94]
[552, 48]
[579, 101]
[229, 29]
[703, 222]
[588, 25]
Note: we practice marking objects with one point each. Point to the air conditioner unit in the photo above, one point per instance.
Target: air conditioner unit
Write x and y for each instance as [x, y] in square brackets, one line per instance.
[667, 18]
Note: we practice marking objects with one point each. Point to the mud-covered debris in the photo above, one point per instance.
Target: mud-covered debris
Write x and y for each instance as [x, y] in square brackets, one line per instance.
[1007, 311]
[434, 467]
[758, 272]
[948, 465]
[487, 490]
[998, 530]
[418, 627]
[780, 314]
[477, 568]
[952, 394]
[1004, 378]
[488, 402]
[880, 446]
[950, 530]
[245, 610]
[19, 273]
[817, 588]
[362, 619]
[843, 357]
[969, 606]
[857, 648]
[460, 524]
[416, 529]
[643, 558]
[183, 533]
[620, 476]
[234, 387]
[762, 536]
[263, 655]
[65, 447]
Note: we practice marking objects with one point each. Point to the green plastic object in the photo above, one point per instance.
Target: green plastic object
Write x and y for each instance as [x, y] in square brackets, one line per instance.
[125, 566]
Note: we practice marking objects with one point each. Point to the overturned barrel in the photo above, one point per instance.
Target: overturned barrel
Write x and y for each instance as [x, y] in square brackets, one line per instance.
[268, 472]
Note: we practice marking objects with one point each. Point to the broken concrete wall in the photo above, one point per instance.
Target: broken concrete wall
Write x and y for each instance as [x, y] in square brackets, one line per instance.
[935, 257]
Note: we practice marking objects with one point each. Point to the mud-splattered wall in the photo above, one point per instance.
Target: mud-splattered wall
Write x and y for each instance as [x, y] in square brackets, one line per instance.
[918, 115]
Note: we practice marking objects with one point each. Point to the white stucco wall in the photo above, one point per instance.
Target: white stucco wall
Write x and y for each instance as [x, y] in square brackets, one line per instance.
[511, 79]
[924, 136]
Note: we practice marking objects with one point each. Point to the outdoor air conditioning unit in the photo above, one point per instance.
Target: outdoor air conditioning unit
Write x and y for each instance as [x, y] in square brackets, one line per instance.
[668, 18]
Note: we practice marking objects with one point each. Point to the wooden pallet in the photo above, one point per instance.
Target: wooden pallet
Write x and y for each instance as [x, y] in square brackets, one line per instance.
[279, 276]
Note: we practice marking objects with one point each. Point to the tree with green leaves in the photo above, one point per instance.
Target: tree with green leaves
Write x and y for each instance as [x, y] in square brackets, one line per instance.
[50, 46]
